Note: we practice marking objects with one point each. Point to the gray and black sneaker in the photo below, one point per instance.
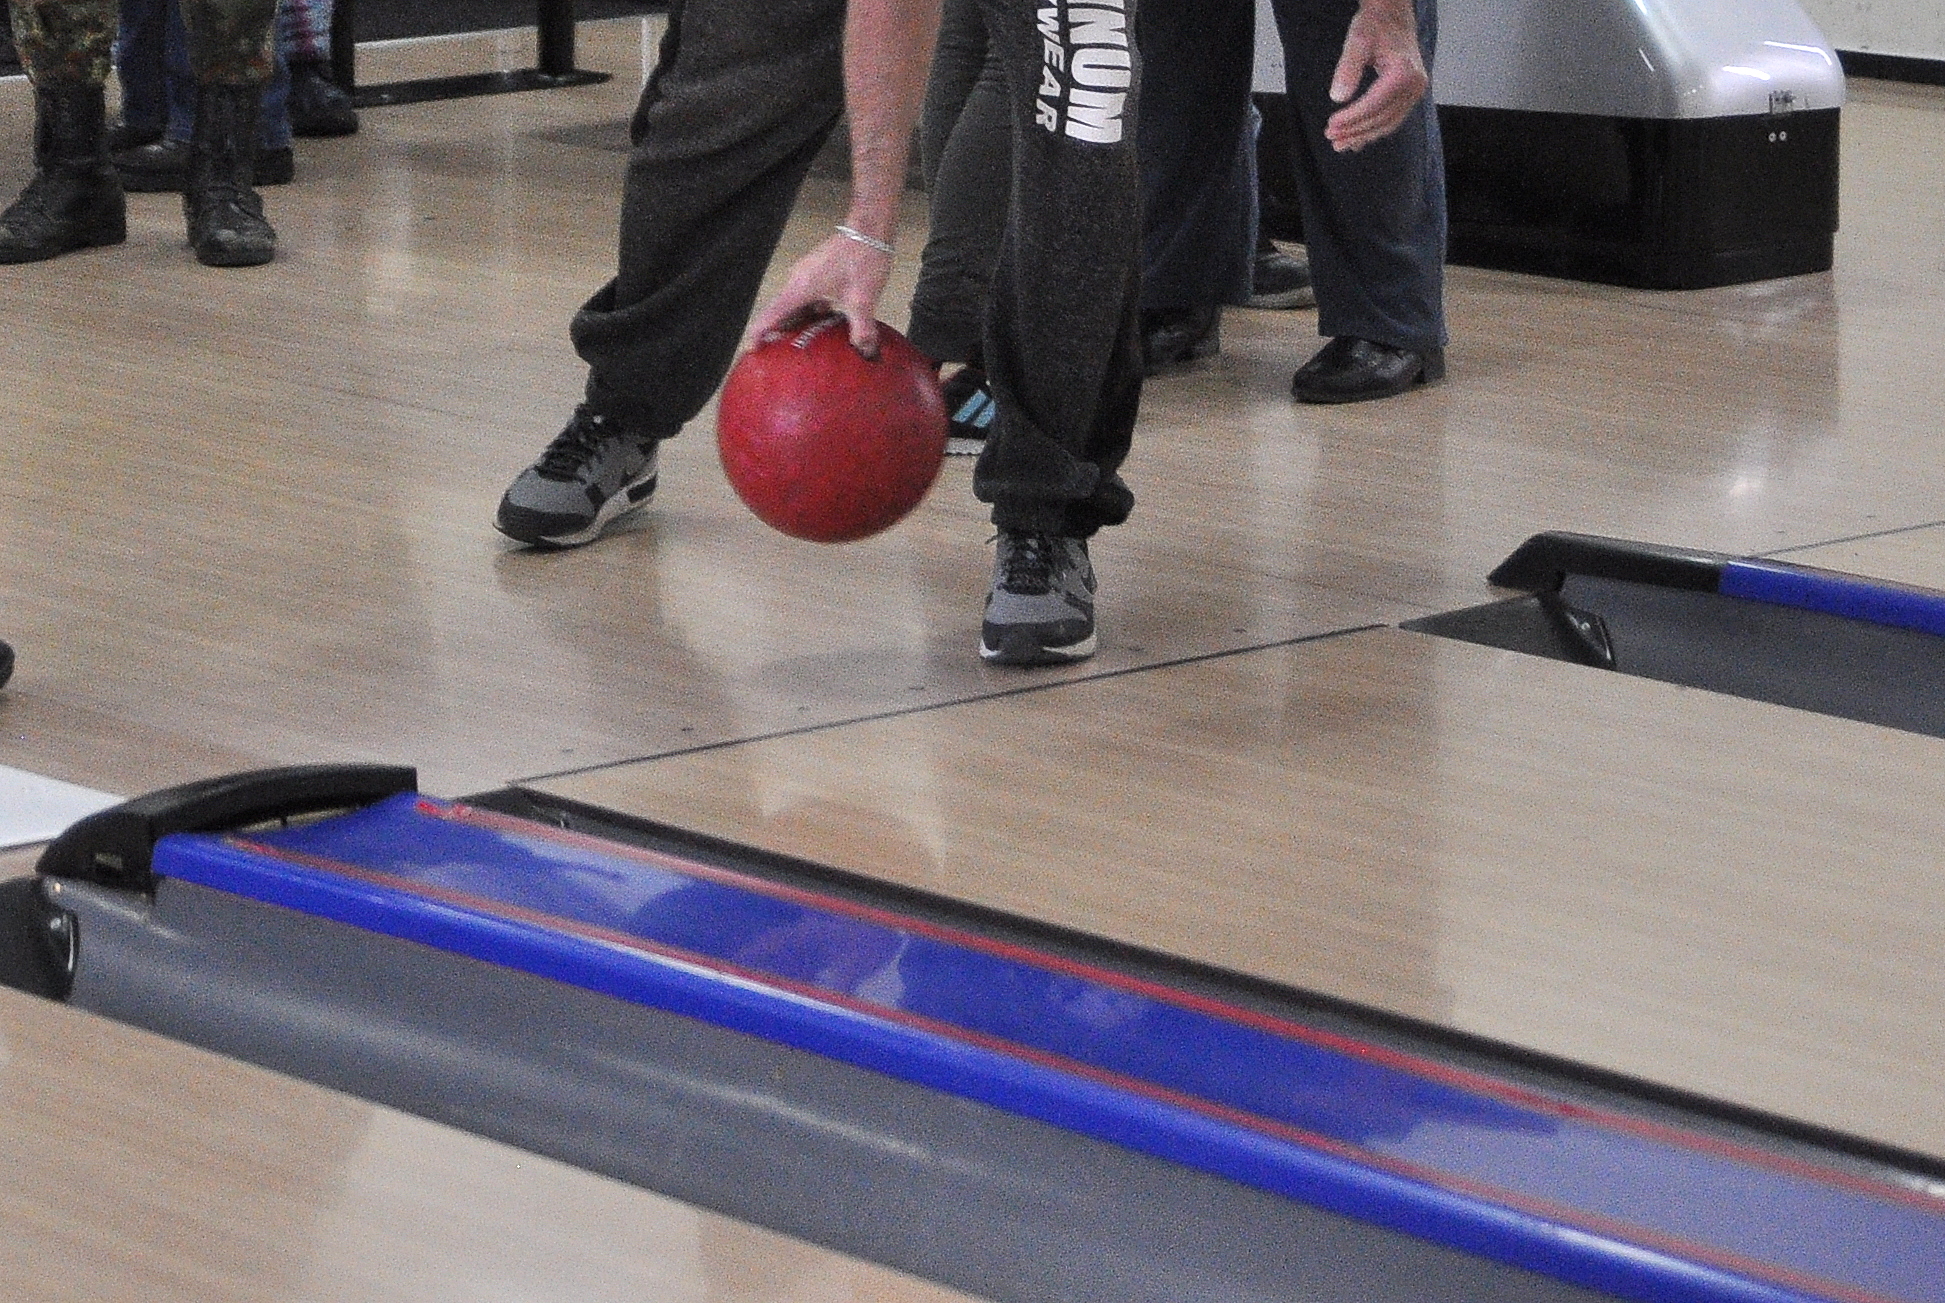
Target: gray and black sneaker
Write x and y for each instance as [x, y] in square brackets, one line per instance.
[1279, 279]
[1041, 609]
[591, 475]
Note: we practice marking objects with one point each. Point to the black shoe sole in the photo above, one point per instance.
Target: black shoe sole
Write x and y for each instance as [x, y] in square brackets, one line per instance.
[218, 256]
[323, 129]
[99, 238]
[1021, 647]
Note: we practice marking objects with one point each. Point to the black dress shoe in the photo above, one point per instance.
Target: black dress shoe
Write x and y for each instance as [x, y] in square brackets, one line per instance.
[1172, 336]
[1352, 370]
[164, 165]
[123, 136]
[318, 105]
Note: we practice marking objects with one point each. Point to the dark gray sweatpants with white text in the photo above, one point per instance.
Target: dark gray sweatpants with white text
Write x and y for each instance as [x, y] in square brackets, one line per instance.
[745, 94]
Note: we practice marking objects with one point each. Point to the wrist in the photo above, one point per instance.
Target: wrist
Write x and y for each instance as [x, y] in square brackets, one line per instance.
[865, 238]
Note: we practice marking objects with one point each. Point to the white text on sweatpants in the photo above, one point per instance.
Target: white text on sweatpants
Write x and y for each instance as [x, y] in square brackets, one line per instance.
[1085, 70]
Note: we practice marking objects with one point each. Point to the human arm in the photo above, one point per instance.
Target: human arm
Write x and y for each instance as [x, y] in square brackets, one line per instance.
[1383, 40]
[887, 54]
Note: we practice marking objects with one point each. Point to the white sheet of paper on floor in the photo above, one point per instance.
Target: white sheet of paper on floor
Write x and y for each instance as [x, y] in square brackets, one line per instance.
[34, 808]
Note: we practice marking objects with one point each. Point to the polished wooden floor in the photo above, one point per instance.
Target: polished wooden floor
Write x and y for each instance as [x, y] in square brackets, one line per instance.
[244, 520]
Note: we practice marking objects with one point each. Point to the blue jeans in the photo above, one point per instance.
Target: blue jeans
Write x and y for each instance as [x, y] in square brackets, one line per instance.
[158, 88]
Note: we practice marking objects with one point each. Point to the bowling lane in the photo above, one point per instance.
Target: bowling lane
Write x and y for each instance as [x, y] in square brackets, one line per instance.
[216, 616]
[1717, 895]
[330, 587]
[135, 1168]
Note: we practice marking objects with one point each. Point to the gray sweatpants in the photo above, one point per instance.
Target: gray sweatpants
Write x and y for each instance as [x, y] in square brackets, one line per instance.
[966, 151]
[745, 94]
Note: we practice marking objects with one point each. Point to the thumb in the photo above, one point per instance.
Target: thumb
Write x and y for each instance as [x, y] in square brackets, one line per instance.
[1350, 70]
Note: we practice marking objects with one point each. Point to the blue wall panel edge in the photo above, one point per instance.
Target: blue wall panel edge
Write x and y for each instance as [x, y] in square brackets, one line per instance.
[1045, 1093]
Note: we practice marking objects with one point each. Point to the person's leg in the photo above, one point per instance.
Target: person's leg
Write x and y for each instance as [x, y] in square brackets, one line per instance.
[178, 75]
[231, 42]
[318, 106]
[745, 94]
[138, 67]
[966, 150]
[163, 165]
[1276, 279]
[1374, 219]
[275, 109]
[73, 200]
[1062, 344]
[304, 30]
[1196, 171]
[231, 51]
[65, 42]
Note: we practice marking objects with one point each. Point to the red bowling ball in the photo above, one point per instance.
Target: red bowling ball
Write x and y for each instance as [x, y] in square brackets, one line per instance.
[825, 444]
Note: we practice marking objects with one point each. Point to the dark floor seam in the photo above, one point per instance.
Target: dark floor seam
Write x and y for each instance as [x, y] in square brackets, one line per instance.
[1852, 538]
[1020, 691]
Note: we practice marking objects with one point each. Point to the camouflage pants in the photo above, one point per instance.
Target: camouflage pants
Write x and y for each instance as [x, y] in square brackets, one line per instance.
[70, 42]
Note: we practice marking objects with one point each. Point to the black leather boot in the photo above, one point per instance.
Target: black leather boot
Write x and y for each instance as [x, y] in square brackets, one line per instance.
[224, 214]
[74, 200]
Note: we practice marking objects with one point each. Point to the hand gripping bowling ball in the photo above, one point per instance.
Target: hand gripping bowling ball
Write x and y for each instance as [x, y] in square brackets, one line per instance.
[826, 444]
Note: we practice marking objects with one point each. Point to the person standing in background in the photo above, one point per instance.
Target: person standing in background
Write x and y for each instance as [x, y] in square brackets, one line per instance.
[1371, 186]
[1373, 203]
[75, 199]
[150, 143]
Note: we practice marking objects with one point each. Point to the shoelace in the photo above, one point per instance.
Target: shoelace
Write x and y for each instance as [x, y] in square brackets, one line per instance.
[573, 447]
[223, 193]
[1027, 563]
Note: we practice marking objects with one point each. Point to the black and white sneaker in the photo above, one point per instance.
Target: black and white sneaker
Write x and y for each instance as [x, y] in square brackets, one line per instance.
[591, 475]
[969, 411]
[1041, 608]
